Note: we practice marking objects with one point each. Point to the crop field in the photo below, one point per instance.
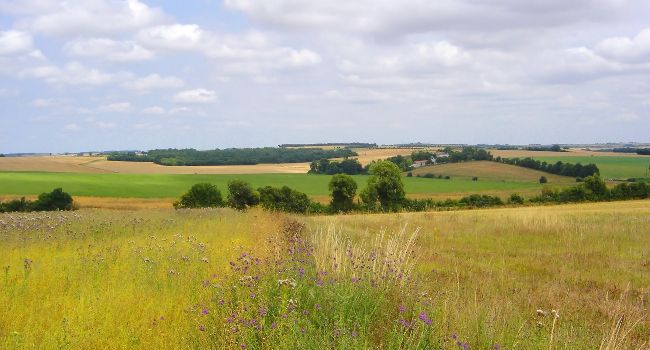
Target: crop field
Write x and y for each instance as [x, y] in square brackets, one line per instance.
[75, 164]
[493, 171]
[559, 277]
[166, 186]
[610, 167]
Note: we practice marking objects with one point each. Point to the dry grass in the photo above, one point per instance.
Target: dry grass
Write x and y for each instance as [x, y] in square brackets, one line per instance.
[491, 171]
[573, 152]
[367, 155]
[51, 164]
[492, 269]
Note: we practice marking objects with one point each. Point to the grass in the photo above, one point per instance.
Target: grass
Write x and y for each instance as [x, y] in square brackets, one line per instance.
[610, 167]
[172, 186]
[161, 279]
[492, 171]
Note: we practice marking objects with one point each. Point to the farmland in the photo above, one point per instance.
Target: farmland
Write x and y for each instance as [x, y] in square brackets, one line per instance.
[490, 171]
[156, 279]
[165, 185]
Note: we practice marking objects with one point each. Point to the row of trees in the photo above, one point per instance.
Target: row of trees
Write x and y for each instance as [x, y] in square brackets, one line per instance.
[232, 156]
[639, 151]
[331, 167]
[554, 148]
[55, 200]
[558, 168]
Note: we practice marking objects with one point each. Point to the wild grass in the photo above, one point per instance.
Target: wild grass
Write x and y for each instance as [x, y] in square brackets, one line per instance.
[551, 277]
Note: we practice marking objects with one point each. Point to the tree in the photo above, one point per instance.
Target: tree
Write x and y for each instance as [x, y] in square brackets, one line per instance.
[241, 195]
[516, 199]
[543, 179]
[55, 200]
[343, 188]
[385, 186]
[285, 199]
[201, 195]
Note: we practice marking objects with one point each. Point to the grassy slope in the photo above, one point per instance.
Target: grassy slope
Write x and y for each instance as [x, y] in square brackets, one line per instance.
[163, 185]
[493, 171]
[492, 269]
[611, 167]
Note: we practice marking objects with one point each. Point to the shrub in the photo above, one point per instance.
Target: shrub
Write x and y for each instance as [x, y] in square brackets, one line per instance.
[447, 177]
[481, 201]
[241, 195]
[409, 174]
[385, 186]
[285, 199]
[201, 195]
[543, 179]
[55, 200]
[516, 199]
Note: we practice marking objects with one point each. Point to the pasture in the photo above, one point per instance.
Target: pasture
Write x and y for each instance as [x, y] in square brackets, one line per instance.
[493, 171]
[168, 186]
[170, 279]
[622, 167]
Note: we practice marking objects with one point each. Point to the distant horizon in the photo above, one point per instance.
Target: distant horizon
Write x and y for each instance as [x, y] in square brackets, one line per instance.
[622, 143]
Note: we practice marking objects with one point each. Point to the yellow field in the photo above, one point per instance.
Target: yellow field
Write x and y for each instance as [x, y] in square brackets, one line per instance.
[491, 171]
[573, 152]
[152, 279]
[75, 164]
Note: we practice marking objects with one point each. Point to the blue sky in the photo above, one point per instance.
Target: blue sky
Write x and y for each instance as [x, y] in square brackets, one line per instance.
[138, 74]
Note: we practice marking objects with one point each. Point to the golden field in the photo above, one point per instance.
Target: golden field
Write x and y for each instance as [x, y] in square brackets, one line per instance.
[150, 279]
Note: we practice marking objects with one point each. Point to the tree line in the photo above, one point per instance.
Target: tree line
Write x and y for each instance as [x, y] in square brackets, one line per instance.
[232, 156]
[385, 192]
[639, 151]
[559, 168]
[55, 200]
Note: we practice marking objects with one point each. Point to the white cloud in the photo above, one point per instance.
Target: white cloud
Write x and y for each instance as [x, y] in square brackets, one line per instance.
[624, 49]
[152, 82]
[71, 127]
[106, 125]
[173, 37]
[73, 73]
[14, 42]
[154, 110]
[195, 96]
[104, 48]
[117, 107]
[88, 16]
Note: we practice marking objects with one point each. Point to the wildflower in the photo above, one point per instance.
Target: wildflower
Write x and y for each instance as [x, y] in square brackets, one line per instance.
[221, 302]
[541, 312]
[424, 318]
[274, 325]
[205, 311]
[317, 307]
[454, 336]
[354, 334]
[263, 311]
[243, 346]
[496, 346]
[401, 308]
[405, 323]
[252, 295]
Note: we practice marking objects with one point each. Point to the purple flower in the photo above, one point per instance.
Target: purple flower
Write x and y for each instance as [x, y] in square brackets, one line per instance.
[405, 323]
[496, 346]
[354, 334]
[243, 346]
[424, 318]
[252, 295]
[401, 308]
[263, 311]
[205, 311]
[274, 325]
[221, 302]
[317, 307]
[454, 336]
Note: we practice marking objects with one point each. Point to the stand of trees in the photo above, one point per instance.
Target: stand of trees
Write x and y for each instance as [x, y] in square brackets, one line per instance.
[554, 148]
[331, 167]
[558, 168]
[55, 200]
[232, 156]
[639, 151]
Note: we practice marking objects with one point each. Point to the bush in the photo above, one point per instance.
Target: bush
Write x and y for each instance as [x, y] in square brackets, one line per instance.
[475, 178]
[55, 200]
[428, 176]
[241, 195]
[384, 187]
[201, 195]
[409, 174]
[481, 201]
[286, 199]
[516, 199]
[543, 179]
[447, 177]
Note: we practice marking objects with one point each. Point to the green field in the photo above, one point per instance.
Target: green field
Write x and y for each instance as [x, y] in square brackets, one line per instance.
[165, 185]
[610, 167]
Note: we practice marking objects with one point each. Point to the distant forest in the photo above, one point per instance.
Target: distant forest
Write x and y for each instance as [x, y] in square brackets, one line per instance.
[639, 151]
[349, 145]
[232, 156]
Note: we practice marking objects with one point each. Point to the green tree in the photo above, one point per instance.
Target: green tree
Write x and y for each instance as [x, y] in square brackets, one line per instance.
[385, 186]
[55, 200]
[201, 195]
[241, 195]
[343, 188]
[543, 179]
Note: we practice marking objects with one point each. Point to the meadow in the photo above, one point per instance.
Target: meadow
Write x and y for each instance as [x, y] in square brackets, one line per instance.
[172, 186]
[622, 167]
[550, 277]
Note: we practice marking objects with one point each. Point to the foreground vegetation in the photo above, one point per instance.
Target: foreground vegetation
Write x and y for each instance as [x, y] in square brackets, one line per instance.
[218, 278]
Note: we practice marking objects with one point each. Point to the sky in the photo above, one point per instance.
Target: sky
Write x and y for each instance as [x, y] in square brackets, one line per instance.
[81, 75]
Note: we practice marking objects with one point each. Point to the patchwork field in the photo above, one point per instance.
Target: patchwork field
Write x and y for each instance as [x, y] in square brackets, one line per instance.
[494, 171]
[563, 277]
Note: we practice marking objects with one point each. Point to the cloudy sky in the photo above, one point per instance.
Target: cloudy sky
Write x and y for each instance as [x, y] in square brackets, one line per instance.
[139, 74]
